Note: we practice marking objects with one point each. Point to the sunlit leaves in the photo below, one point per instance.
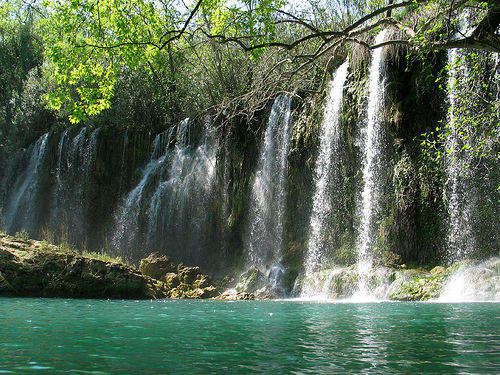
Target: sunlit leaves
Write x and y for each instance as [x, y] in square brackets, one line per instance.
[474, 116]
[87, 40]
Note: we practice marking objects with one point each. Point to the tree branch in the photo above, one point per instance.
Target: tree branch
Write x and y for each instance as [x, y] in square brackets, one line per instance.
[181, 31]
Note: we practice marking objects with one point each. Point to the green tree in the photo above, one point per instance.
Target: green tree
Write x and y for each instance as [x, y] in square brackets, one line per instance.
[21, 54]
[89, 41]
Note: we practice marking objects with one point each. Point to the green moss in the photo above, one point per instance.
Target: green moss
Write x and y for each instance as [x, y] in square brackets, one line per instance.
[420, 288]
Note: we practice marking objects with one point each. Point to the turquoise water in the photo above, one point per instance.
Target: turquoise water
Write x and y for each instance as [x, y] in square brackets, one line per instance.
[213, 337]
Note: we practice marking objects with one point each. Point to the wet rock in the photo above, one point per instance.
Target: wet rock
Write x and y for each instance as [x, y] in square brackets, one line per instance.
[203, 281]
[202, 293]
[421, 287]
[251, 280]
[437, 270]
[188, 275]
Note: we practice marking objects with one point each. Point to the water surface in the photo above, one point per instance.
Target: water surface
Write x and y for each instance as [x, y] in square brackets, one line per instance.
[273, 337]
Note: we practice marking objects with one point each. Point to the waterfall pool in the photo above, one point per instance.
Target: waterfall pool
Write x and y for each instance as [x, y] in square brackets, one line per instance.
[272, 337]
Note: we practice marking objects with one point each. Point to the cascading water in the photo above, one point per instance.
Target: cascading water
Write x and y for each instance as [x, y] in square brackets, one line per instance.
[20, 211]
[265, 232]
[473, 281]
[460, 240]
[326, 165]
[169, 210]
[128, 217]
[372, 165]
[75, 167]
[180, 214]
[123, 163]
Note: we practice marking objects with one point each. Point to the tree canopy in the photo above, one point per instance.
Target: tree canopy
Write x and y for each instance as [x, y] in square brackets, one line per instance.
[89, 42]
[221, 53]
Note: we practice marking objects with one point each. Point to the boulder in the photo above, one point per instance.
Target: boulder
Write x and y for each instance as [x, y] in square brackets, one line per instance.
[239, 296]
[157, 265]
[171, 280]
[188, 275]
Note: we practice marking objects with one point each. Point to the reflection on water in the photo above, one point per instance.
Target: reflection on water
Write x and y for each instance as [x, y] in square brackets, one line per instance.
[272, 337]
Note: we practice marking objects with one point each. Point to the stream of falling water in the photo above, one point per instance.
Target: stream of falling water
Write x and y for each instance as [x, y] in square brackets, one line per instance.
[326, 162]
[169, 210]
[19, 213]
[372, 154]
[460, 240]
[267, 207]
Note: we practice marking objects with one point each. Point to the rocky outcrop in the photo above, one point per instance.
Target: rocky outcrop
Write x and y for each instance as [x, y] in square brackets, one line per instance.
[157, 265]
[180, 281]
[414, 285]
[36, 269]
[236, 296]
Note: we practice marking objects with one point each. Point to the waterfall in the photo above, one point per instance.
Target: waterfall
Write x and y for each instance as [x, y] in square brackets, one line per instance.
[128, 217]
[267, 205]
[460, 239]
[181, 210]
[170, 209]
[20, 213]
[326, 164]
[73, 191]
[473, 281]
[60, 153]
[371, 166]
[123, 163]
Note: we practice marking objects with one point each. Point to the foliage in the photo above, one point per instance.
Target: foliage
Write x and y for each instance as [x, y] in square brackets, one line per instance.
[473, 122]
[103, 256]
[21, 54]
[22, 235]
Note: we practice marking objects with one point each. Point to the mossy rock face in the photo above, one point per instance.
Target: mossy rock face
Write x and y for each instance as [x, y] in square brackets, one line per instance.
[157, 265]
[421, 288]
[203, 281]
[438, 270]
[289, 279]
[188, 275]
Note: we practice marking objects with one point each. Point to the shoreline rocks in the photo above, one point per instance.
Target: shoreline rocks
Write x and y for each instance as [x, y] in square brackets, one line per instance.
[178, 282]
[35, 269]
[30, 268]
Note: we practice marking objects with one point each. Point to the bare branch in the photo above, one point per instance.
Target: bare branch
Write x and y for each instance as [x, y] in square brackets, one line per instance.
[181, 31]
